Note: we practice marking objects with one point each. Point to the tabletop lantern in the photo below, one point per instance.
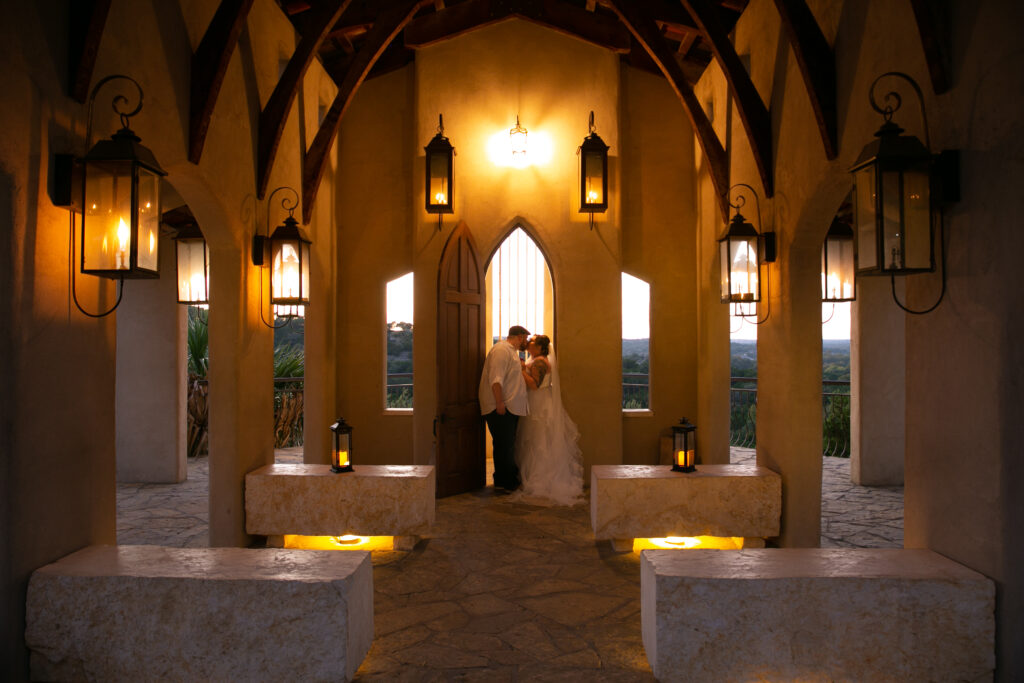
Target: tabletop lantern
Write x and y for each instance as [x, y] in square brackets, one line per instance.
[121, 204]
[341, 452]
[593, 155]
[837, 264]
[684, 446]
[193, 265]
[893, 206]
[439, 172]
[289, 272]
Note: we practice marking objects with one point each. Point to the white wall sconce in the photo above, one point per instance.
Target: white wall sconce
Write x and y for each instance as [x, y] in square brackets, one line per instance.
[517, 141]
[289, 263]
[742, 250]
[899, 185]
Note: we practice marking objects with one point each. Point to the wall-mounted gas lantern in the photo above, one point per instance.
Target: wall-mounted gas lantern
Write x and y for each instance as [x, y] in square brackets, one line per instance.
[837, 264]
[593, 154]
[742, 250]
[192, 261]
[289, 263]
[899, 185]
[440, 178]
[684, 446]
[341, 451]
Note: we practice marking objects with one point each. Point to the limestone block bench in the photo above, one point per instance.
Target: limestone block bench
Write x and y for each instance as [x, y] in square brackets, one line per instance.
[310, 500]
[144, 613]
[651, 501]
[847, 614]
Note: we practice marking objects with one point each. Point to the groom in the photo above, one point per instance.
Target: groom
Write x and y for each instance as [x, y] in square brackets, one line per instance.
[502, 401]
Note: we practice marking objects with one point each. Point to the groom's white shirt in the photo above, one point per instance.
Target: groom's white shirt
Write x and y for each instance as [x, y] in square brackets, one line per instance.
[502, 366]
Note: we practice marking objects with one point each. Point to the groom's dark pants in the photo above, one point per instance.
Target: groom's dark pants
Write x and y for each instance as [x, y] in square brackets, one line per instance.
[503, 436]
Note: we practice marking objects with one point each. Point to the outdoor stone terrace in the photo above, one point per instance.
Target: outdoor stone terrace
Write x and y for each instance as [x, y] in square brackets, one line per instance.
[503, 590]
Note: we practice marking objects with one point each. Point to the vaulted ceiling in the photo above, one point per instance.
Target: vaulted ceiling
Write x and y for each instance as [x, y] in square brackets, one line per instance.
[360, 39]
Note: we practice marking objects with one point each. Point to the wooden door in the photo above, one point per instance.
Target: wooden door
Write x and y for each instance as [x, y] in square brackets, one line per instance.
[461, 463]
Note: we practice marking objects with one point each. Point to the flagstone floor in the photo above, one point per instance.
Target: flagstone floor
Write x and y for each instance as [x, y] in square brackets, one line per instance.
[503, 590]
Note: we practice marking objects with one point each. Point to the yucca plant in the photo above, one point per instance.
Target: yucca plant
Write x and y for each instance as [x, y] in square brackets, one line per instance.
[289, 361]
[198, 352]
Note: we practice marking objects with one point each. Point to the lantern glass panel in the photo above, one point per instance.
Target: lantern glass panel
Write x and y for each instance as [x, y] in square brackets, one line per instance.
[107, 222]
[148, 219]
[892, 236]
[740, 257]
[917, 217]
[837, 279]
[438, 191]
[287, 273]
[193, 271]
[864, 217]
[593, 178]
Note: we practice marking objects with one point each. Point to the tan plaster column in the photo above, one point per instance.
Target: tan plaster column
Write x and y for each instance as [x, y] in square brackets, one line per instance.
[241, 384]
[789, 387]
[151, 392]
[877, 385]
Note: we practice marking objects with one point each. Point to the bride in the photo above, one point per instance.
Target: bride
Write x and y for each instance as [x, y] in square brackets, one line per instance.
[549, 460]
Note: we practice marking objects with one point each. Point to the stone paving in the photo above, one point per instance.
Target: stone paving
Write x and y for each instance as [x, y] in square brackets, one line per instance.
[503, 590]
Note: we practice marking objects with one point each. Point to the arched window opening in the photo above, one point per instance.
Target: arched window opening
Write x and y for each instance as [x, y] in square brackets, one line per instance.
[519, 287]
[636, 343]
[398, 336]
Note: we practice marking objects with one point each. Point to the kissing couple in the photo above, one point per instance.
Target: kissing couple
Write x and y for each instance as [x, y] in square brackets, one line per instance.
[535, 441]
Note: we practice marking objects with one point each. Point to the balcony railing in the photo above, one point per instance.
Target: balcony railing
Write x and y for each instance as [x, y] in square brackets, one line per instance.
[835, 415]
[635, 391]
[399, 390]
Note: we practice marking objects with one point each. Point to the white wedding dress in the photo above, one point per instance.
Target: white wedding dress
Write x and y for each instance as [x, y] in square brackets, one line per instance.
[550, 462]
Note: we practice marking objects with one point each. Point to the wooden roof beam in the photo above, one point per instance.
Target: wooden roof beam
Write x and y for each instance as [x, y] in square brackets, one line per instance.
[817, 65]
[275, 113]
[645, 31]
[86, 20]
[574, 21]
[453, 21]
[752, 110]
[209, 64]
[932, 20]
[387, 27]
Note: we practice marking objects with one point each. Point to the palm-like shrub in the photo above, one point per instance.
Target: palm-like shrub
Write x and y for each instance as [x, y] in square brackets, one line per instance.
[289, 361]
[198, 350]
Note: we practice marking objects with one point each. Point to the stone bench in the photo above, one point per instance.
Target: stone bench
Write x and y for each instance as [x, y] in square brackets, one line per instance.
[651, 501]
[310, 500]
[133, 613]
[845, 614]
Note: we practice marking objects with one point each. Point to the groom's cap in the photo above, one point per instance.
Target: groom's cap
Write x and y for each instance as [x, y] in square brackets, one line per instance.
[517, 330]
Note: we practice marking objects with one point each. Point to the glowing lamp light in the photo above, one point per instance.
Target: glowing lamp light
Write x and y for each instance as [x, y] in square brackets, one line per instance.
[121, 201]
[193, 266]
[593, 154]
[289, 272]
[742, 250]
[837, 264]
[439, 174]
[517, 143]
[341, 451]
[684, 446]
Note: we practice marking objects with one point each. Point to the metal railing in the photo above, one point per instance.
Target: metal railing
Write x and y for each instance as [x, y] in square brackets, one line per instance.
[835, 415]
[635, 391]
[399, 393]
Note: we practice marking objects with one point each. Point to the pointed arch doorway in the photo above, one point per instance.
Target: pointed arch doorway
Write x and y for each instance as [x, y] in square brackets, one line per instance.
[472, 308]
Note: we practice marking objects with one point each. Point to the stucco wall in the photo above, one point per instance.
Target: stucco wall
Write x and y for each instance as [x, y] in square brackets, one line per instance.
[963, 367]
[58, 444]
[659, 246]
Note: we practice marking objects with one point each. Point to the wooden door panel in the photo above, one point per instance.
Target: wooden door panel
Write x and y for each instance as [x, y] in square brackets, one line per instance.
[460, 437]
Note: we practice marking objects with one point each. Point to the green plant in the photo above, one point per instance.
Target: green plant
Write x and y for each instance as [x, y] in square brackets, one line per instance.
[198, 342]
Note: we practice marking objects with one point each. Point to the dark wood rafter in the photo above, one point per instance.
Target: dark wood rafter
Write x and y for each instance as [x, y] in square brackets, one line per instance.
[933, 26]
[275, 113]
[209, 65]
[467, 16]
[817, 66]
[387, 27]
[752, 110]
[645, 31]
[86, 21]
